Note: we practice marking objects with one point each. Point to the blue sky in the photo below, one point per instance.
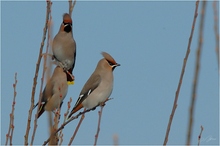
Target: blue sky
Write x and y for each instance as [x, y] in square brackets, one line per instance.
[149, 40]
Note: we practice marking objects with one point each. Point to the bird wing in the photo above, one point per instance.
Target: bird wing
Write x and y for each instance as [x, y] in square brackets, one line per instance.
[45, 97]
[88, 88]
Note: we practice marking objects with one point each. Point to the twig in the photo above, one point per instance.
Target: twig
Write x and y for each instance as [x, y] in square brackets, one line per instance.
[77, 128]
[216, 29]
[52, 135]
[49, 44]
[71, 6]
[73, 118]
[115, 139]
[42, 79]
[65, 115]
[36, 74]
[99, 122]
[11, 123]
[200, 135]
[55, 126]
[64, 124]
[181, 76]
[196, 75]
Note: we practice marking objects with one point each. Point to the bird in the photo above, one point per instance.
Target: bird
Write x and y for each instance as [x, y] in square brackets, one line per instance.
[64, 47]
[54, 92]
[99, 86]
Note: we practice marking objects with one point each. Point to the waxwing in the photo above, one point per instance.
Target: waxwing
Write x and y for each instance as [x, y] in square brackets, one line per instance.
[64, 47]
[54, 92]
[99, 86]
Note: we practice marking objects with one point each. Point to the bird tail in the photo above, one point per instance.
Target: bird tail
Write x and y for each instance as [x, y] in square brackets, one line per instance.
[75, 109]
[70, 77]
[35, 106]
[41, 110]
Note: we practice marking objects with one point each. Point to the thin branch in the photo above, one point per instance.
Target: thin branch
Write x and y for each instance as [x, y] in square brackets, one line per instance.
[77, 128]
[200, 135]
[52, 135]
[36, 74]
[11, 123]
[196, 75]
[99, 123]
[64, 124]
[73, 118]
[216, 29]
[71, 6]
[181, 76]
[115, 139]
[13, 108]
[42, 79]
[65, 116]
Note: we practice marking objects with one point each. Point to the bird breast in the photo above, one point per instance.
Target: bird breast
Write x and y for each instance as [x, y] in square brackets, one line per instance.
[99, 95]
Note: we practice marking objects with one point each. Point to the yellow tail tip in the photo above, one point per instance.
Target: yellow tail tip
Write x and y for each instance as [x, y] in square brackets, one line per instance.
[70, 82]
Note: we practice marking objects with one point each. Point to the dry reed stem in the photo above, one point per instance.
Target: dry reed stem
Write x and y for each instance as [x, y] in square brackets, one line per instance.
[36, 73]
[181, 76]
[9, 135]
[196, 75]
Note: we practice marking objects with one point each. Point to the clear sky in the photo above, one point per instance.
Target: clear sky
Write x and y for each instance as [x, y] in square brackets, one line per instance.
[149, 40]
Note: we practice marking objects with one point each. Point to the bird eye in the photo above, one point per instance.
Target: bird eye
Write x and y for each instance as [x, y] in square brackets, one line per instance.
[110, 63]
[66, 24]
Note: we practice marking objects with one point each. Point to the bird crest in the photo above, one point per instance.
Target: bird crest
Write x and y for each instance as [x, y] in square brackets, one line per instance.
[67, 18]
[109, 58]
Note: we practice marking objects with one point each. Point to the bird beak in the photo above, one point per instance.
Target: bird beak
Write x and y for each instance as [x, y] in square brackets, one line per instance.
[117, 64]
[114, 66]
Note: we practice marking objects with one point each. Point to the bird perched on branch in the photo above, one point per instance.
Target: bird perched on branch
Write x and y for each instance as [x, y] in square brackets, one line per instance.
[64, 47]
[99, 86]
[54, 92]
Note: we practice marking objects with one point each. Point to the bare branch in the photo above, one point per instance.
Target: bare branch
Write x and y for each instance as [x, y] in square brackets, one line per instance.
[36, 74]
[54, 137]
[115, 139]
[181, 76]
[44, 70]
[11, 123]
[200, 135]
[196, 75]
[71, 6]
[77, 128]
[73, 118]
[65, 116]
[53, 140]
[216, 29]
[99, 123]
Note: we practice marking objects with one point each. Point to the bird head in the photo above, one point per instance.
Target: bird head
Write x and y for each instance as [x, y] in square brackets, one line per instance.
[67, 23]
[111, 61]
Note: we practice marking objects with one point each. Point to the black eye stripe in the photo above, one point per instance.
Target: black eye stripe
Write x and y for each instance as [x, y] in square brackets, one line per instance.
[110, 63]
[67, 24]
